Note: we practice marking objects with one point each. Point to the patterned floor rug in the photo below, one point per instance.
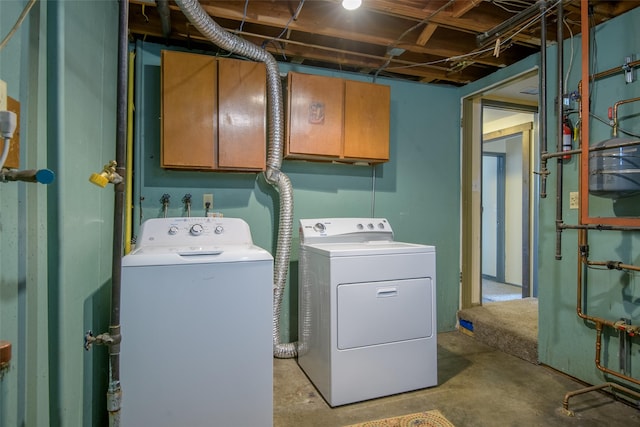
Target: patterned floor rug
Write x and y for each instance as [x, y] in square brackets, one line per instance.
[422, 419]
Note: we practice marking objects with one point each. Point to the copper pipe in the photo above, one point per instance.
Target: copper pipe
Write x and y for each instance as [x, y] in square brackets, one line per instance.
[583, 263]
[597, 227]
[615, 113]
[614, 265]
[615, 70]
[565, 402]
[605, 369]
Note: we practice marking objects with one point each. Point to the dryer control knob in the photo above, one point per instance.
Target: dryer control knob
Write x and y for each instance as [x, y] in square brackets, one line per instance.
[319, 227]
[370, 226]
[381, 226]
[219, 230]
[196, 229]
[173, 230]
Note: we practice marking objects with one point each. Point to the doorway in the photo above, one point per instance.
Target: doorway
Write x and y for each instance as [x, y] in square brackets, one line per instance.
[498, 214]
[493, 215]
[505, 212]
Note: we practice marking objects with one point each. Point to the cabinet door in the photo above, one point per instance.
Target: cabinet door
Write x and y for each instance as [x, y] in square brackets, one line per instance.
[241, 114]
[316, 106]
[188, 112]
[366, 121]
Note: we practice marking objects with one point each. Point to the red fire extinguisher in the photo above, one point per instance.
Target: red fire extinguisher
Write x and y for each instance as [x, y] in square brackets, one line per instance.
[566, 137]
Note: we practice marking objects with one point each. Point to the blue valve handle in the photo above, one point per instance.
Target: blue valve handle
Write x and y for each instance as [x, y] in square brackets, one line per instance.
[43, 176]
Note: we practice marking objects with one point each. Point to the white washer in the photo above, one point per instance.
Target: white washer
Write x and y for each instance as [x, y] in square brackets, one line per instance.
[196, 316]
[367, 310]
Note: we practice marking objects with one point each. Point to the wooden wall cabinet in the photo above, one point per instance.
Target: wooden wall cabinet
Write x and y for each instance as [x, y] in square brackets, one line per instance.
[333, 119]
[213, 113]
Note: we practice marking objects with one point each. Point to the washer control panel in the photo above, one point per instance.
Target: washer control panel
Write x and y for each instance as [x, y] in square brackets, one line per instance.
[332, 230]
[193, 230]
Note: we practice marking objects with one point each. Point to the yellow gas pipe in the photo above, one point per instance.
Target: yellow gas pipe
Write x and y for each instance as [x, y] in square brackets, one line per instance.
[128, 203]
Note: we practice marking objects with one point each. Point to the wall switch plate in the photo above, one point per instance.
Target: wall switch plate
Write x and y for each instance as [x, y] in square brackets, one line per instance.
[573, 200]
[207, 198]
[3, 96]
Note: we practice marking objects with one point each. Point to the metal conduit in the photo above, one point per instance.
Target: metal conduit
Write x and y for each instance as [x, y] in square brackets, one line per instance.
[232, 43]
[165, 17]
[543, 99]
[559, 126]
[114, 392]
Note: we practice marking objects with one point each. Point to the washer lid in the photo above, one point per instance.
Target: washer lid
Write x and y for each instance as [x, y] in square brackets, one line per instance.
[185, 255]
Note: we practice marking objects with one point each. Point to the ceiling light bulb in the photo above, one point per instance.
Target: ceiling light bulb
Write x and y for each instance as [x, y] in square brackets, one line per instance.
[351, 4]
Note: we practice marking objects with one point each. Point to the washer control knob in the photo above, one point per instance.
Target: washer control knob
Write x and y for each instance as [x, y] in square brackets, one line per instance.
[381, 226]
[370, 226]
[219, 229]
[319, 227]
[360, 227]
[196, 229]
[173, 230]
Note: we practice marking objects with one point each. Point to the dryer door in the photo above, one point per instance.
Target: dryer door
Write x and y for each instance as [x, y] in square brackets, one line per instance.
[383, 312]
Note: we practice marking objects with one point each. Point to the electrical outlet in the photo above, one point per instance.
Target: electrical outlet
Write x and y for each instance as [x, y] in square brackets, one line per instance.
[573, 200]
[207, 198]
[3, 96]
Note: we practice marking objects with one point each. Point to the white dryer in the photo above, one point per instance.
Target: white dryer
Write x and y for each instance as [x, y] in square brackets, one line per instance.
[196, 316]
[367, 310]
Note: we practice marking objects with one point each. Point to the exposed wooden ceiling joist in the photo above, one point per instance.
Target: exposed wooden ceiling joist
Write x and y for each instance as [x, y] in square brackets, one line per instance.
[421, 40]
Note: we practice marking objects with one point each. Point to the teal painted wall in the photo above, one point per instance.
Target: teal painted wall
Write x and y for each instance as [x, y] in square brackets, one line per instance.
[417, 190]
[55, 241]
[567, 343]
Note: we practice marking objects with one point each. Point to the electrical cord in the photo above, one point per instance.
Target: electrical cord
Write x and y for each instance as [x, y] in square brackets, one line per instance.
[8, 124]
[473, 55]
[21, 18]
[5, 152]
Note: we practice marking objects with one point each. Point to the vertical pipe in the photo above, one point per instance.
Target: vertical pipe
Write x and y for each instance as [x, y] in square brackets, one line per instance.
[559, 105]
[584, 113]
[114, 392]
[129, 164]
[543, 96]
[165, 17]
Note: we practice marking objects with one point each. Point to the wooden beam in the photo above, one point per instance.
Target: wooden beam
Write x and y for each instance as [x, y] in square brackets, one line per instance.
[460, 7]
[426, 34]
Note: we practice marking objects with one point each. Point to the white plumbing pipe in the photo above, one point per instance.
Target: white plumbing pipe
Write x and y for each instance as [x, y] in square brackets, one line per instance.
[5, 152]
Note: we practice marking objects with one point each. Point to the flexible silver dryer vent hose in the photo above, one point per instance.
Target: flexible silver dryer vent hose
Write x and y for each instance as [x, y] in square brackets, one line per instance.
[234, 44]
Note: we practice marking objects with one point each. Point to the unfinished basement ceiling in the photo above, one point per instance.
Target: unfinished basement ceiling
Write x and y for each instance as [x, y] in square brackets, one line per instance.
[431, 41]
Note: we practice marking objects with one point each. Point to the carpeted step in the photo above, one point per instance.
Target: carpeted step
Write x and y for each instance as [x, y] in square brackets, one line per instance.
[510, 326]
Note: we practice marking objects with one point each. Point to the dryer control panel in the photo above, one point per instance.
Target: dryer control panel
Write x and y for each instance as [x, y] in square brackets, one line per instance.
[344, 230]
[194, 230]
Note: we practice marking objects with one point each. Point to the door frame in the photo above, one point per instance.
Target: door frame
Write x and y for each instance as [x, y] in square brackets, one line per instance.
[470, 200]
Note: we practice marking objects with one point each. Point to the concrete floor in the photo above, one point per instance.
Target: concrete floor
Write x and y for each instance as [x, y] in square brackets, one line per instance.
[478, 386]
